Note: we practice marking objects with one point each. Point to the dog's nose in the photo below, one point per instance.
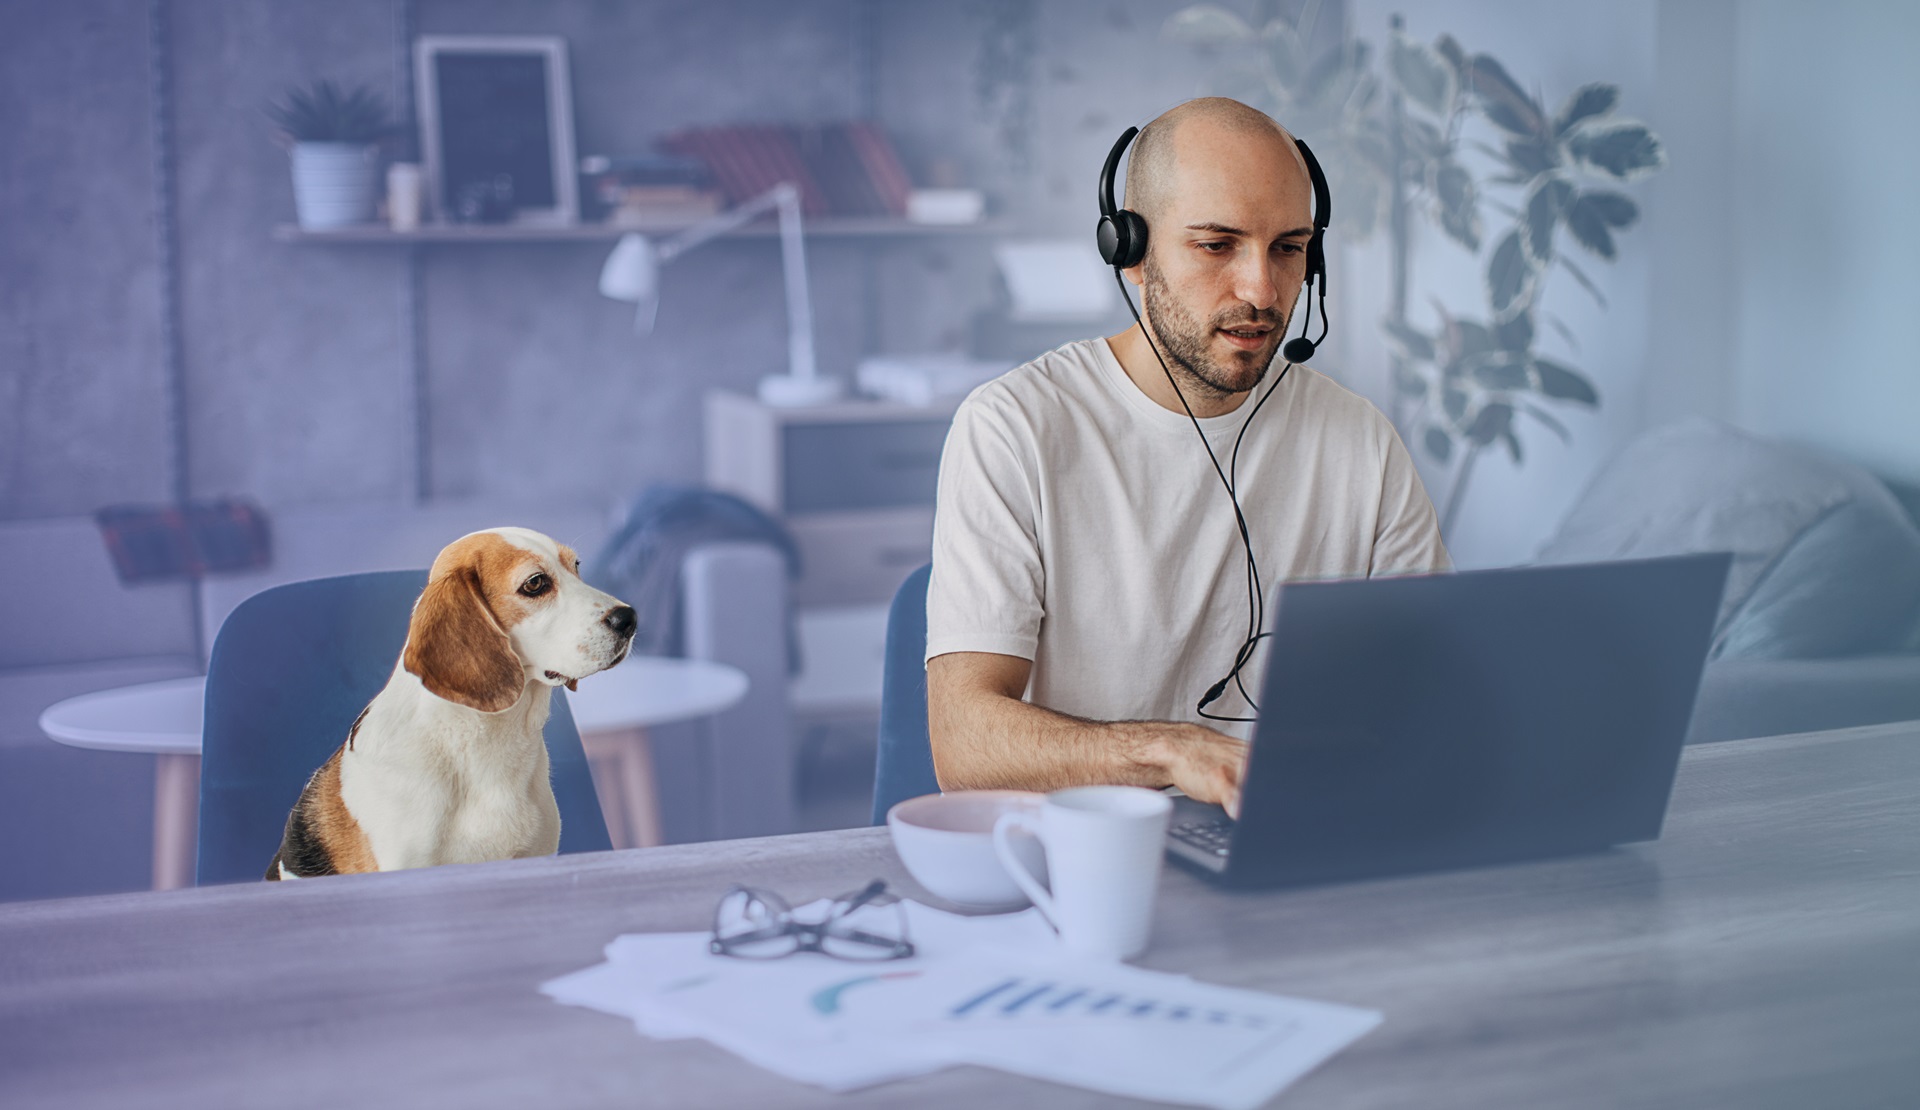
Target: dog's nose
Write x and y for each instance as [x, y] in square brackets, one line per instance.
[621, 620]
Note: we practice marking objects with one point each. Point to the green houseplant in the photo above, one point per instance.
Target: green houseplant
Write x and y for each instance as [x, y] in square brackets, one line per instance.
[332, 137]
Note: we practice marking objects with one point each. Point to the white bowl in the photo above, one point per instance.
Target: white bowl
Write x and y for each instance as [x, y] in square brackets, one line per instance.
[946, 841]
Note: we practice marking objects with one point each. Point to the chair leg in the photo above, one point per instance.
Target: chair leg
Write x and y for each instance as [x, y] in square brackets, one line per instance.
[176, 802]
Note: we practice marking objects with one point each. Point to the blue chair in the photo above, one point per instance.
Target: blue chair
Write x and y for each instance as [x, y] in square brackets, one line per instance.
[903, 764]
[291, 669]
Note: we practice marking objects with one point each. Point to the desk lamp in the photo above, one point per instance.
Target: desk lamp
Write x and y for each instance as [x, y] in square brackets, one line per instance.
[632, 273]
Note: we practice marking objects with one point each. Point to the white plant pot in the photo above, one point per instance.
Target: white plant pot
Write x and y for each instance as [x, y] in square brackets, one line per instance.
[333, 184]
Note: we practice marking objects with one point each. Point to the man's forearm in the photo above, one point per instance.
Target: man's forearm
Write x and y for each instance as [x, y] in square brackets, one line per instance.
[990, 741]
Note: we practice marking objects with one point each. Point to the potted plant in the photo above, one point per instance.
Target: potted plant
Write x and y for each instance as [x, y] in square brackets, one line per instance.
[332, 137]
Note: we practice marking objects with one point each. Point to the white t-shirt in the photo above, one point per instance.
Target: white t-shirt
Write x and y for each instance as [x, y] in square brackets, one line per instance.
[1079, 525]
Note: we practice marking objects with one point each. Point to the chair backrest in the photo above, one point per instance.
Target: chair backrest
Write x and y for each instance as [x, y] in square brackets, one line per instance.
[291, 669]
[903, 764]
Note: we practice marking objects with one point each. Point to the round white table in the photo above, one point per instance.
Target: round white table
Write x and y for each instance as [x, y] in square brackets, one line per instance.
[612, 709]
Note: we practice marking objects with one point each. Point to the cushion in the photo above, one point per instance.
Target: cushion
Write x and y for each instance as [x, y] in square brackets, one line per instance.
[1696, 486]
[1826, 561]
[1848, 585]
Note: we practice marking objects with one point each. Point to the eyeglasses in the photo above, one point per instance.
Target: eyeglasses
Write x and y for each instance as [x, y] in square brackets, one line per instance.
[754, 924]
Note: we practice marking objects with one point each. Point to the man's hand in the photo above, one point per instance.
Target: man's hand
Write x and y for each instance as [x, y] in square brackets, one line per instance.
[1205, 764]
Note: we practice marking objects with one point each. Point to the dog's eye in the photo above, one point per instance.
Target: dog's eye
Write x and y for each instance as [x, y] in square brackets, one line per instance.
[537, 585]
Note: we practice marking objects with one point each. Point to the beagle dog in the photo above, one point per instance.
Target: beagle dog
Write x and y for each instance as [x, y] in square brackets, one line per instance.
[448, 763]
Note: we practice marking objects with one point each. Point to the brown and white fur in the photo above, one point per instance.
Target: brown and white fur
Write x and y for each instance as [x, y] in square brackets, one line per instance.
[448, 764]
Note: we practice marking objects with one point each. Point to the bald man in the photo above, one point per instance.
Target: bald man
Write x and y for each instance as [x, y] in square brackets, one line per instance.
[1089, 582]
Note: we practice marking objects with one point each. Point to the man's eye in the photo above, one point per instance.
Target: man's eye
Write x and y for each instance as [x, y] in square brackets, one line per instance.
[1212, 248]
[1290, 248]
[537, 585]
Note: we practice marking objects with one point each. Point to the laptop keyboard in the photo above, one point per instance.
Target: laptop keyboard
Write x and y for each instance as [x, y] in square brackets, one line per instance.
[1211, 836]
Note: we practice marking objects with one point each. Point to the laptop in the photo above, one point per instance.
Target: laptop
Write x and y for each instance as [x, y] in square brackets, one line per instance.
[1425, 723]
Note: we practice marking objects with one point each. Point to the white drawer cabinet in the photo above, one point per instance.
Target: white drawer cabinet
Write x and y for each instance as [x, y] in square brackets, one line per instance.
[854, 482]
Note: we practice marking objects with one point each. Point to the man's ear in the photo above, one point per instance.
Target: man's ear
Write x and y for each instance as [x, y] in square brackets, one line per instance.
[458, 651]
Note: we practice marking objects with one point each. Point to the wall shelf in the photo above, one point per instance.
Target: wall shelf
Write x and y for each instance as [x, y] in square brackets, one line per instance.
[825, 227]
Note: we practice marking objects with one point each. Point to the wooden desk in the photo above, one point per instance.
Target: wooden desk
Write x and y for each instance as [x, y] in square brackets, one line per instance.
[1766, 952]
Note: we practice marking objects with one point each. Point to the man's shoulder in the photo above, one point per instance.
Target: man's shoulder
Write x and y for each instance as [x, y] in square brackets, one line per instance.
[1334, 409]
[1029, 392]
[1327, 394]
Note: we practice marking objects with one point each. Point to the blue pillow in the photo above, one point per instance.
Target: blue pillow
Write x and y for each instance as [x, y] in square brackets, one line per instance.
[1847, 585]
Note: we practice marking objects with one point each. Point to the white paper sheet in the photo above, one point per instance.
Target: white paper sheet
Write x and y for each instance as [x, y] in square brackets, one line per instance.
[995, 991]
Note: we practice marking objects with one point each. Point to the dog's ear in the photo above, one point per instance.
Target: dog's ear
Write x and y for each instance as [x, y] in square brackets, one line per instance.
[456, 648]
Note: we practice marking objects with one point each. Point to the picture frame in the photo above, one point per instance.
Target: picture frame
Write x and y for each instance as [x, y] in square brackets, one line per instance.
[493, 107]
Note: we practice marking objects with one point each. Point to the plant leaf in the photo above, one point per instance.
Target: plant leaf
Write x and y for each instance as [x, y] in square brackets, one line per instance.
[1586, 102]
[1530, 157]
[1457, 202]
[1625, 149]
[1515, 334]
[1449, 49]
[1423, 75]
[1565, 383]
[1439, 444]
[1545, 417]
[1413, 343]
[1613, 209]
[1464, 340]
[1588, 227]
[1206, 26]
[1500, 370]
[1510, 275]
[1513, 443]
[1503, 100]
[1494, 420]
[1545, 204]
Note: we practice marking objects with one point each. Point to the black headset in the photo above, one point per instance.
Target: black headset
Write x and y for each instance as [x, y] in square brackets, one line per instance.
[1122, 237]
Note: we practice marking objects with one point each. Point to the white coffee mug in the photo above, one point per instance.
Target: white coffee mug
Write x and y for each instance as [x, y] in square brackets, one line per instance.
[1104, 845]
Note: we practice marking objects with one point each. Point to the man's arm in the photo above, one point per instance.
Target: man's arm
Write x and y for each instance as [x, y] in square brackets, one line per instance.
[985, 737]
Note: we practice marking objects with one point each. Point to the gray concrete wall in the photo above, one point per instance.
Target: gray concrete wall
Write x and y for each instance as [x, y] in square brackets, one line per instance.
[296, 356]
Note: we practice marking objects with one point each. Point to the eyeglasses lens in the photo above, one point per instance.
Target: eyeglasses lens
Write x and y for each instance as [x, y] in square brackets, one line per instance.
[875, 931]
[754, 924]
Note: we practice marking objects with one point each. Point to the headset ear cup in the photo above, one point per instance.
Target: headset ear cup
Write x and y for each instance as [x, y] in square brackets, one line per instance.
[1133, 239]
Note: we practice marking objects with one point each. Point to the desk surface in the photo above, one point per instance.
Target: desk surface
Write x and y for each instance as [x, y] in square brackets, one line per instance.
[1765, 952]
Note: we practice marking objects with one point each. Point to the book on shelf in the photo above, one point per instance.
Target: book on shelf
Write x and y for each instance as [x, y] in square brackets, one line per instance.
[847, 168]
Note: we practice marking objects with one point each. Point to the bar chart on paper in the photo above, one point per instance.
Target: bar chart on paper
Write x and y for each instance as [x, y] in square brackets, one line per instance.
[1048, 1002]
[1111, 1027]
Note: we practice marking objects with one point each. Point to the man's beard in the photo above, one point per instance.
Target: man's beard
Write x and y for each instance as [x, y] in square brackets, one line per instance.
[1185, 339]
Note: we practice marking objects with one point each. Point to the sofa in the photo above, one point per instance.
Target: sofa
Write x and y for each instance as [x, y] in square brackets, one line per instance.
[1819, 626]
[88, 815]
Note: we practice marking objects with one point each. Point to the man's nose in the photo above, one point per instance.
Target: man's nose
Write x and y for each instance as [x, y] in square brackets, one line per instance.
[1256, 283]
[621, 620]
